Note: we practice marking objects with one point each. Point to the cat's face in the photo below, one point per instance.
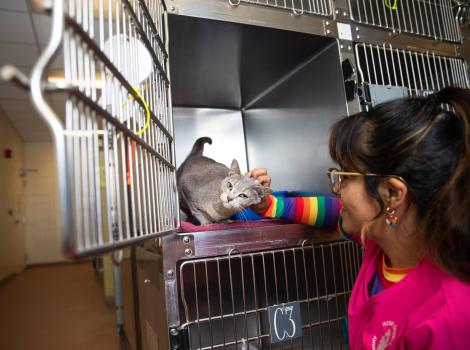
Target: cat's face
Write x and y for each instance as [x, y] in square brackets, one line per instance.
[240, 192]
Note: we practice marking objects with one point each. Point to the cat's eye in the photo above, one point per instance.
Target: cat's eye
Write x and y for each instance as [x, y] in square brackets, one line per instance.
[229, 186]
[242, 195]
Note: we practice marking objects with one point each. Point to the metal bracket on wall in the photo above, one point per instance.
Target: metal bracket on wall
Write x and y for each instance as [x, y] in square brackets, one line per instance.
[187, 245]
[340, 26]
[345, 46]
[341, 14]
[330, 28]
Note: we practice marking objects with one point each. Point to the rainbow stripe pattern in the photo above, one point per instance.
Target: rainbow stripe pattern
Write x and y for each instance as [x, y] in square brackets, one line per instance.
[320, 211]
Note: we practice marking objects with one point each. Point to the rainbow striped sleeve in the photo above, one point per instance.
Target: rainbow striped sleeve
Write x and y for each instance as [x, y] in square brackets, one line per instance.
[321, 211]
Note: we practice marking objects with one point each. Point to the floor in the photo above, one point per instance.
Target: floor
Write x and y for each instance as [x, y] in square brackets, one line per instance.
[56, 307]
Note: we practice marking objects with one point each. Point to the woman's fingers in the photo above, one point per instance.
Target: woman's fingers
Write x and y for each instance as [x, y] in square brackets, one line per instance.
[261, 176]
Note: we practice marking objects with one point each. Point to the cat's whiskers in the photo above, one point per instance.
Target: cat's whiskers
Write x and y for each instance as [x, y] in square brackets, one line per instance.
[245, 215]
[242, 212]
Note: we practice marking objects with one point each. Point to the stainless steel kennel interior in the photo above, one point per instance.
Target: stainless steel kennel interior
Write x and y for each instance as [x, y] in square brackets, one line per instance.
[264, 79]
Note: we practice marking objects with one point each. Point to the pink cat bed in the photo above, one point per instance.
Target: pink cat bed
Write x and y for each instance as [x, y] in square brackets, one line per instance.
[188, 227]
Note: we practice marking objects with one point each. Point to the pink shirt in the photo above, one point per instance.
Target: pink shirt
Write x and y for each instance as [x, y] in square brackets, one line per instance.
[428, 309]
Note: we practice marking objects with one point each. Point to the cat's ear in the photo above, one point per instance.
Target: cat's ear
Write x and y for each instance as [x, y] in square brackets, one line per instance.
[234, 168]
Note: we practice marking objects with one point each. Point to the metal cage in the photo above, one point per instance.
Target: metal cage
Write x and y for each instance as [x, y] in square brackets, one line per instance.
[298, 7]
[226, 298]
[115, 152]
[413, 73]
[431, 18]
[115, 148]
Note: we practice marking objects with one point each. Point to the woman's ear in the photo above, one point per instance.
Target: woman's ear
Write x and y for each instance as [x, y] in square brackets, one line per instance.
[394, 192]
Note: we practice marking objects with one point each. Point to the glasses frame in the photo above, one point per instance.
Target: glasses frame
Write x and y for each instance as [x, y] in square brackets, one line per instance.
[349, 173]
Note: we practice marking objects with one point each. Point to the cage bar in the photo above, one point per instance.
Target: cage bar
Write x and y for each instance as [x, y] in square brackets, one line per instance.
[427, 18]
[420, 72]
[298, 7]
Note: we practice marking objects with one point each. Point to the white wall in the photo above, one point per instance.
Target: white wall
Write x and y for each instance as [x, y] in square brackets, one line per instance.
[43, 241]
[11, 201]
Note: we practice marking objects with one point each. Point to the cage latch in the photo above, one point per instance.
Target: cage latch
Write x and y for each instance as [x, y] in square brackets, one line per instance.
[349, 77]
[373, 94]
[179, 338]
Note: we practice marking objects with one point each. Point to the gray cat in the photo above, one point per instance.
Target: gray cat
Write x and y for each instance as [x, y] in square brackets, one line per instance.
[210, 192]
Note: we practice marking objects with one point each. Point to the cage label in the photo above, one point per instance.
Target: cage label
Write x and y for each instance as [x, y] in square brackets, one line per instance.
[285, 322]
[344, 31]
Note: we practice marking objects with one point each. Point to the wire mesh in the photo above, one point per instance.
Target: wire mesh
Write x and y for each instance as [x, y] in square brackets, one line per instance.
[421, 73]
[118, 132]
[298, 7]
[226, 299]
[428, 18]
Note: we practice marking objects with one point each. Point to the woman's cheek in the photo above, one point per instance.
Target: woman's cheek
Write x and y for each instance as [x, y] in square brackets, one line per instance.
[349, 223]
[345, 221]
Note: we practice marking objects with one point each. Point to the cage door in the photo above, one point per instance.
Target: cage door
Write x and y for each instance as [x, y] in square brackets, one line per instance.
[431, 18]
[113, 132]
[226, 300]
[298, 7]
[386, 73]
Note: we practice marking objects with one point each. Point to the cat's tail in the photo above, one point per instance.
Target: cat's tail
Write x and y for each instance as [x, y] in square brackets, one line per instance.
[198, 147]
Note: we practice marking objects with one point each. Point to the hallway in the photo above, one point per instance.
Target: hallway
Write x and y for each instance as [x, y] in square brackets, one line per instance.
[56, 307]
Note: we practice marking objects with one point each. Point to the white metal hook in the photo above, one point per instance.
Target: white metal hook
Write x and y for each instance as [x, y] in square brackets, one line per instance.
[10, 73]
[233, 251]
[297, 12]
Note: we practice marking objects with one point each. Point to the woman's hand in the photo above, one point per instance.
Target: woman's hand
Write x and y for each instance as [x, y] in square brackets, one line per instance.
[261, 176]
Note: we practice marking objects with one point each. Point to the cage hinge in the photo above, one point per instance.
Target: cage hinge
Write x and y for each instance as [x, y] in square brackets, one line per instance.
[179, 338]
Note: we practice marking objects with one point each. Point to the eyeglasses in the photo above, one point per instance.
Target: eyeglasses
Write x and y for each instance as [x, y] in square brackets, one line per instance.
[337, 177]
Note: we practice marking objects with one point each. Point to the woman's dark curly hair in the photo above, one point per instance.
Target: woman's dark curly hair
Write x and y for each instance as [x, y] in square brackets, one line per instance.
[429, 147]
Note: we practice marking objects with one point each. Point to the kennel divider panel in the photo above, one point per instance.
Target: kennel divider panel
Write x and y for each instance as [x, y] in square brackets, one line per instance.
[116, 142]
[431, 19]
[292, 122]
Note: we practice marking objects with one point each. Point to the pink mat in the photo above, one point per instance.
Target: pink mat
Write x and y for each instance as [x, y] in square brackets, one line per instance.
[188, 227]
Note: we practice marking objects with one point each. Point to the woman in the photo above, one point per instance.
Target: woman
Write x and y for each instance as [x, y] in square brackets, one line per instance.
[404, 187]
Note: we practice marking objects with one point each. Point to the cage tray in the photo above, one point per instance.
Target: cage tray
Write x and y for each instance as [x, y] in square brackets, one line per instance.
[236, 225]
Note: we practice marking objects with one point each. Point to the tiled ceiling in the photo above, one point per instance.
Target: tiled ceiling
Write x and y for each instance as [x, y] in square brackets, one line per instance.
[23, 34]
